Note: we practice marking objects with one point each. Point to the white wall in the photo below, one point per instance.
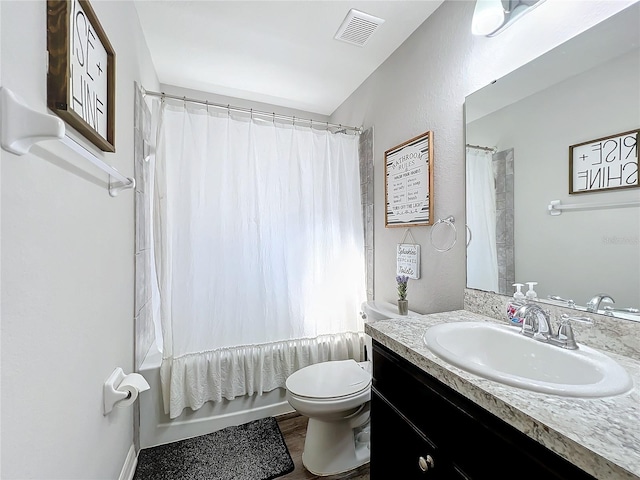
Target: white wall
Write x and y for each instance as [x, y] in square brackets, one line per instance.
[422, 87]
[569, 255]
[67, 270]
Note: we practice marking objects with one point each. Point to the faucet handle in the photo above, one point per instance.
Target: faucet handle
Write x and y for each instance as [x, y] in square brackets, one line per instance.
[608, 310]
[564, 318]
[565, 337]
[570, 303]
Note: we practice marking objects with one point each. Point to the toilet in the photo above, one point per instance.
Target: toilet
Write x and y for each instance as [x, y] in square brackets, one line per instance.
[335, 396]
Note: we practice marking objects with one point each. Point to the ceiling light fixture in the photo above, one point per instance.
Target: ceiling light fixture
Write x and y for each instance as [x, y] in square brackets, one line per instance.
[493, 16]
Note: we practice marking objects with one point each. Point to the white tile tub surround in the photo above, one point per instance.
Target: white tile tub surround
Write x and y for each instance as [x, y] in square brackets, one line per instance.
[143, 319]
[503, 170]
[144, 328]
[606, 333]
[365, 151]
[598, 435]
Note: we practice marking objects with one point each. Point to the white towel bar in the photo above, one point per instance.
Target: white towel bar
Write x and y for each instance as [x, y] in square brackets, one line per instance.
[114, 188]
[22, 127]
[555, 207]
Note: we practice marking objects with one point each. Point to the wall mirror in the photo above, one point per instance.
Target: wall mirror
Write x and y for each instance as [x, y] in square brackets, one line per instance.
[518, 133]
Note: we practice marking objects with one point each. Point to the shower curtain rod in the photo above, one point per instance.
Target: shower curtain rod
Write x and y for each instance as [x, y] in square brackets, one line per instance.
[480, 147]
[273, 115]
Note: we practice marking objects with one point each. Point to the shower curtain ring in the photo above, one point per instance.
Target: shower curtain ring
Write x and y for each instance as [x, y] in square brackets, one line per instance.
[273, 119]
[228, 110]
[207, 104]
[184, 102]
[251, 114]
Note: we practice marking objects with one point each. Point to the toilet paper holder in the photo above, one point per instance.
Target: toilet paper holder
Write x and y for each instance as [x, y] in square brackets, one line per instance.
[122, 389]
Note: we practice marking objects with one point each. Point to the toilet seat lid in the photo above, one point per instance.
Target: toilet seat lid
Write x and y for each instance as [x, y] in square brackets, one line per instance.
[329, 380]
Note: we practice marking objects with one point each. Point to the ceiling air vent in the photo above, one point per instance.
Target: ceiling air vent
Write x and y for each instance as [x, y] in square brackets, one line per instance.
[358, 27]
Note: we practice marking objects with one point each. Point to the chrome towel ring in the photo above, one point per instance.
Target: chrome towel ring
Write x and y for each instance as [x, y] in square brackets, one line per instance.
[450, 222]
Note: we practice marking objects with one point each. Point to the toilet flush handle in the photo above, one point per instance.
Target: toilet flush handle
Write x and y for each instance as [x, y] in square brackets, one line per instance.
[426, 464]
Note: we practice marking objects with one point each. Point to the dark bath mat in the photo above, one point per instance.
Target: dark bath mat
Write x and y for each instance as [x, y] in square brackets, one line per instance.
[253, 451]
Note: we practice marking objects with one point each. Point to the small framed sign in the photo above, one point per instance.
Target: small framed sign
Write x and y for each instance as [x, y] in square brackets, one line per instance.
[81, 76]
[408, 171]
[408, 260]
[606, 163]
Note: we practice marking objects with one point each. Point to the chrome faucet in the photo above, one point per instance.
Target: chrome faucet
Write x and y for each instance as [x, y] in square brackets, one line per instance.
[594, 304]
[536, 324]
[535, 321]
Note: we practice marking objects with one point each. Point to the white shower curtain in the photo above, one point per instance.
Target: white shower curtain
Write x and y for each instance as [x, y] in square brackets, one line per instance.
[258, 245]
[482, 255]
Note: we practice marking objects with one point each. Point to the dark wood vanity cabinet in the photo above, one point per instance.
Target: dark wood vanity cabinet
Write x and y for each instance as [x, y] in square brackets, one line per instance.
[421, 428]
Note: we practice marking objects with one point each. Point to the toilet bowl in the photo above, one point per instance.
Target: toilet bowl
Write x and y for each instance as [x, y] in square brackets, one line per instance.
[335, 396]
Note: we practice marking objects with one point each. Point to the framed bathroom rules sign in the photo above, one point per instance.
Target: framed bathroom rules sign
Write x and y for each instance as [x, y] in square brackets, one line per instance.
[408, 171]
[81, 75]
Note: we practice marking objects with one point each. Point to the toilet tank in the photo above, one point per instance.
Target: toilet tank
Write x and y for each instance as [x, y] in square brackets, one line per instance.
[375, 310]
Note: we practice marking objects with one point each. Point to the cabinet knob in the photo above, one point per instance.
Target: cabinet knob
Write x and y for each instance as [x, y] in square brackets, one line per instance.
[426, 463]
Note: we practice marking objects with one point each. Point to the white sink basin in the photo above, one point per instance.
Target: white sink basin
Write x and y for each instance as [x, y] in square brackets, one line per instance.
[501, 353]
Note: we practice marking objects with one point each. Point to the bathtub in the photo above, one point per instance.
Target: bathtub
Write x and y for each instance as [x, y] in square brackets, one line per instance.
[156, 428]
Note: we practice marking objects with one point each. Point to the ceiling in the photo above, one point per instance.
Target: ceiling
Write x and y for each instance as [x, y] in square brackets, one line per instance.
[277, 52]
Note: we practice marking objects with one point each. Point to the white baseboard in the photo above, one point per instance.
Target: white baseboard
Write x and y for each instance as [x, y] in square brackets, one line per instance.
[130, 463]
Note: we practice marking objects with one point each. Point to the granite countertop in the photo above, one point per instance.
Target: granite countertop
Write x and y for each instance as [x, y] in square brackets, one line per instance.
[601, 436]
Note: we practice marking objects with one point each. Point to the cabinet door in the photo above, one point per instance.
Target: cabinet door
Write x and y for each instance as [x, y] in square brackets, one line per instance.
[470, 438]
[399, 451]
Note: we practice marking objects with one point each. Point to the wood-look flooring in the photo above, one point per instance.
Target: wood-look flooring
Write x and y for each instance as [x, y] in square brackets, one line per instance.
[294, 427]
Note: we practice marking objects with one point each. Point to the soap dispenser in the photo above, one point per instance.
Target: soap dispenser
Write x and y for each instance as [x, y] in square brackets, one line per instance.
[531, 294]
[514, 304]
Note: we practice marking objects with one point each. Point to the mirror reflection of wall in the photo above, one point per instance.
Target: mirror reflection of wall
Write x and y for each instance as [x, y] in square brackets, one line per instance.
[583, 252]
